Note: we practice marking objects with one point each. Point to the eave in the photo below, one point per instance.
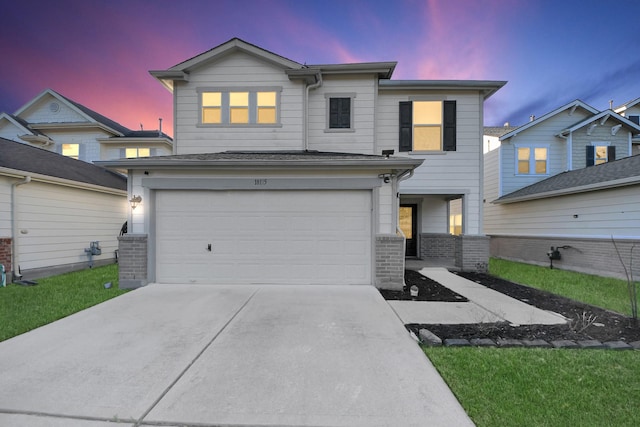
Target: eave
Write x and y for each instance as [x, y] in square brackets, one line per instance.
[74, 125]
[485, 87]
[37, 139]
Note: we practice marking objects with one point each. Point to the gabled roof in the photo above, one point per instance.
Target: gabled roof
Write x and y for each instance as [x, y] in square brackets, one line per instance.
[572, 105]
[16, 156]
[498, 130]
[18, 122]
[600, 119]
[627, 105]
[90, 115]
[618, 173]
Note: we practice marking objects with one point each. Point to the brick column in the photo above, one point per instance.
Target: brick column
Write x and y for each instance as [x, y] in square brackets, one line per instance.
[472, 253]
[389, 262]
[132, 260]
[5, 256]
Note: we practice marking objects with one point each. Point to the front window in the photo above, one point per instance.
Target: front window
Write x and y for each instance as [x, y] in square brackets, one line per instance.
[339, 113]
[532, 160]
[132, 153]
[427, 125]
[71, 150]
[246, 107]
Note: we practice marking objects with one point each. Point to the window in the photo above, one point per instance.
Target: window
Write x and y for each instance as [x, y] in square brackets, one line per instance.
[428, 126]
[532, 160]
[239, 107]
[600, 152]
[71, 150]
[339, 113]
[635, 119]
[132, 153]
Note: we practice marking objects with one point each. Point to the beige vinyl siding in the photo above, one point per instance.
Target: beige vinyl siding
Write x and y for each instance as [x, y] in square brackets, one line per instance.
[5, 206]
[452, 172]
[542, 133]
[241, 71]
[491, 190]
[40, 112]
[56, 223]
[358, 139]
[604, 213]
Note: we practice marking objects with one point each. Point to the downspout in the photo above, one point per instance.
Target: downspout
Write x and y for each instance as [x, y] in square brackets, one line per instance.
[14, 228]
[316, 85]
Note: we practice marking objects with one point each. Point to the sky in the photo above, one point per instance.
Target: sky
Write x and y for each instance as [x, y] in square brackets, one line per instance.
[99, 52]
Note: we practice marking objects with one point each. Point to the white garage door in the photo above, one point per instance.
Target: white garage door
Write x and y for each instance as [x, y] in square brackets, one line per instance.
[290, 237]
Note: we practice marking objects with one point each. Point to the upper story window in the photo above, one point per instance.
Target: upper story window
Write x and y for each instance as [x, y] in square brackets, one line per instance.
[600, 152]
[532, 160]
[239, 107]
[132, 153]
[71, 150]
[340, 111]
[428, 126]
[635, 119]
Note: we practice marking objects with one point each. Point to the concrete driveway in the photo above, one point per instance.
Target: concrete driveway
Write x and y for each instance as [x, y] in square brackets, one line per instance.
[185, 355]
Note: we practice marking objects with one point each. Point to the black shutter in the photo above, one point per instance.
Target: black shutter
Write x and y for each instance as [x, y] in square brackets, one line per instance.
[591, 155]
[406, 125]
[611, 153]
[340, 113]
[449, 126]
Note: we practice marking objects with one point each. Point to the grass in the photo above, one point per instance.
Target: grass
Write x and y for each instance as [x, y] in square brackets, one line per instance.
[542, 387]
[26, 308]
[604, 292]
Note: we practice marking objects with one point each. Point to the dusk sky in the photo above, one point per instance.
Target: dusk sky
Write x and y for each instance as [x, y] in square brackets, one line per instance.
[98, 53]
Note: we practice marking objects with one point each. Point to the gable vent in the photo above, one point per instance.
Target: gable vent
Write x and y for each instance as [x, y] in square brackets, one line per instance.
[54, 107]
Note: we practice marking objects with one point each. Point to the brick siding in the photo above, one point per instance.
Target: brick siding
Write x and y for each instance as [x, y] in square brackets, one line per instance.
[132, 260]
[5, 256]
[467, 252]
[389, 262]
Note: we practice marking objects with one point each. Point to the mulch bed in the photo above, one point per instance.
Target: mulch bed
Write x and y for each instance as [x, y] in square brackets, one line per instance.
[587, 322]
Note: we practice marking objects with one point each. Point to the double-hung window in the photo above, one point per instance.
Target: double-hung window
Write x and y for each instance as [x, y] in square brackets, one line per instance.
[132, 153]
[532, 160]
[239, 107]
[600, 152]
[339, 112]
[427, 126]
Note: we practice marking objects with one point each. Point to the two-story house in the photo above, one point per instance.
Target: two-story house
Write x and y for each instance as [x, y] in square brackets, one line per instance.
[59, 124]
[292, 173]
[567, 179]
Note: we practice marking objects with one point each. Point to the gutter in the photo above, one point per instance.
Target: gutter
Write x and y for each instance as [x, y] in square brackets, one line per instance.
[15, 273]
[316, 85]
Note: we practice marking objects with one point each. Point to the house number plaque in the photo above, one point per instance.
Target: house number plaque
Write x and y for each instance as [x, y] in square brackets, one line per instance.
[259, 182]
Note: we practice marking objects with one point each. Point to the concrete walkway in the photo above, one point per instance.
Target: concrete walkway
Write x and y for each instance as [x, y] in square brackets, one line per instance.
[485, 305]
[169, 355]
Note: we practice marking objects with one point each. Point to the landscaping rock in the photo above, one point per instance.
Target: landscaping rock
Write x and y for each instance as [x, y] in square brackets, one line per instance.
[483, 342]
[508, 342]
[456, 342]
[564, 344]
[617, 345]
[428, 338]
[635, 345]
[591, 344]
[536, 344]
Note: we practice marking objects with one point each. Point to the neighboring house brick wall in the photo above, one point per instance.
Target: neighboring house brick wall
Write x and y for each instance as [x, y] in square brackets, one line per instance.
[5, 255]
[586, 255]
[132, 260]
[390, 262]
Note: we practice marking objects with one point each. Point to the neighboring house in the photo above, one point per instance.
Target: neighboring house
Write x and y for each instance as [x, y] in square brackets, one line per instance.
[292, 173]
[52, 208]
[56, 123]
[564, 179]
[631, 110]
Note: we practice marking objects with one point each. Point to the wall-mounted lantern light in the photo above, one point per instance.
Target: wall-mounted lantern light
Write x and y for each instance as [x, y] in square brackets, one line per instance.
[135, 201]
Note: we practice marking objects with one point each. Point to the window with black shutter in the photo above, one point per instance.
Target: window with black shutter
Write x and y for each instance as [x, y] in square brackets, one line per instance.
[600, 153]
[427, 126]
[339, 113]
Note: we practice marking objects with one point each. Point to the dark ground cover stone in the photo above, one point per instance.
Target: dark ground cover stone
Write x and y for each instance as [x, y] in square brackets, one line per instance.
[608, 325]
[428, 290]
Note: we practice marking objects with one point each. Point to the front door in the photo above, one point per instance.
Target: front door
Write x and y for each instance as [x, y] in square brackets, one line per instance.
[408, 225]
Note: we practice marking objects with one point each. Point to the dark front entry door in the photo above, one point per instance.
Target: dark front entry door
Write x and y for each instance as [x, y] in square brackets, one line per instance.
[408, 225]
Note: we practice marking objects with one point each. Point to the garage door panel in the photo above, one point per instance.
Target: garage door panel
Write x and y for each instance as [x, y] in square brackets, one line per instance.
[264, 237]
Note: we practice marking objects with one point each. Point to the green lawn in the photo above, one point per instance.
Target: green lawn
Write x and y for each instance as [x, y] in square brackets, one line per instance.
[543, 387]
[24, 308]
[604, 292]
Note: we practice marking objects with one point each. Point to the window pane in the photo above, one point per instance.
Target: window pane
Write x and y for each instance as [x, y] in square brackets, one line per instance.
[211, 115]
[524, 153]
[427, 112]
[144, 152]
[266, 99]
[427, 138]
[71, 150]
[239, 99]
[239, 115]
[266, 115]
[131, 153]
[541, 160]
[211, 99]
[601, 154]
[406, 221]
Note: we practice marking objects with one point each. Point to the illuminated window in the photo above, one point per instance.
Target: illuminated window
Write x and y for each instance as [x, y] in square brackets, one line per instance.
[266, 103]
[428, 126]
[211, 107]
[132, 153]
[532, 160]
[71, 150]
[601, 154]
[239, 107]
